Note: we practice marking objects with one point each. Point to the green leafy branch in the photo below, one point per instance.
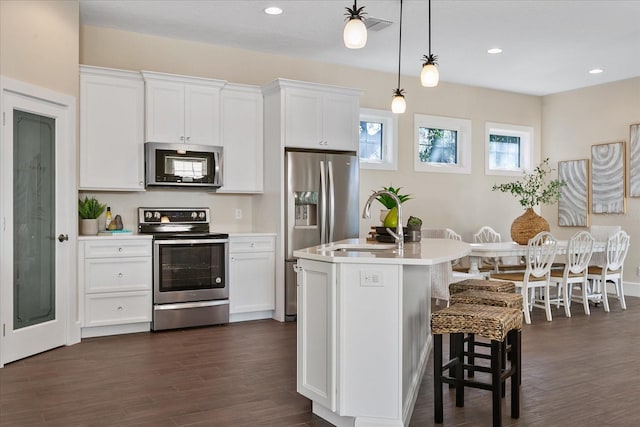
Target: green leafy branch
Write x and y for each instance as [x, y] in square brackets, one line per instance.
[532, 189]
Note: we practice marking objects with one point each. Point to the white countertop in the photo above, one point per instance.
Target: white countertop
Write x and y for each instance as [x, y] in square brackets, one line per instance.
[425, 252]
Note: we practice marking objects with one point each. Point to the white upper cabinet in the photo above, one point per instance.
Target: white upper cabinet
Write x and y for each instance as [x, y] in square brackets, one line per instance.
[111, 129]
[242, 139]
[318, 116]
[182, 109]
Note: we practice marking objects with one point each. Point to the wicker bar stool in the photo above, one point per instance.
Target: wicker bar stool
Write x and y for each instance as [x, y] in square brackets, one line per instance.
[481, 285]
[496, 299]
[494, 323]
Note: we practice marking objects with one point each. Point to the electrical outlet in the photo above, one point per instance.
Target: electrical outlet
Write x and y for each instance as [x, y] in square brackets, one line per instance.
[371, 278]
[238, 213]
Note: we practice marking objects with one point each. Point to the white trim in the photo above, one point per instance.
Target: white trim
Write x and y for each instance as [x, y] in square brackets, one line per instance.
[389, 139]
[463, 129]
[526, 147]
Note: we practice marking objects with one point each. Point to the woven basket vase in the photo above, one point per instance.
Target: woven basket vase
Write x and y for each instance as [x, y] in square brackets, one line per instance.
[527, 226]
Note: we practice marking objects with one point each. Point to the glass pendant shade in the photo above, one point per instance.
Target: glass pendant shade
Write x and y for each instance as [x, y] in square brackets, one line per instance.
[429, 75]
[355, 34]
[398, 104]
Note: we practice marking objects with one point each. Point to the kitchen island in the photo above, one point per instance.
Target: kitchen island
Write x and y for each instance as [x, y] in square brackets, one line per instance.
[363, 327]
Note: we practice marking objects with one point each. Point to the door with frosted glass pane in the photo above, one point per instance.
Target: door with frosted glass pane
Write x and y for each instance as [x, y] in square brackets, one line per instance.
[34, 276]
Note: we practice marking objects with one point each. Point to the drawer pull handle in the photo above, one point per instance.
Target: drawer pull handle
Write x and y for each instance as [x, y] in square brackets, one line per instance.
[120, 308]
[119, 249]
[253, 245]
[120, 275]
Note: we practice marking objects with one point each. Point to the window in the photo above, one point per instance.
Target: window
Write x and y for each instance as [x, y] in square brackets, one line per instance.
[508, 149]
[378, 139]
[442, 144]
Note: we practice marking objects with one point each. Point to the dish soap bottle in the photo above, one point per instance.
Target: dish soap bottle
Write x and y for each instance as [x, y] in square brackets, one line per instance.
[108, 216]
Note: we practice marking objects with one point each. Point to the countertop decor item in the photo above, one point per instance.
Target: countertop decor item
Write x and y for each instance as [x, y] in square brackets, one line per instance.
[390, 204]
[414, 225]
[89, 210]
[532, 190]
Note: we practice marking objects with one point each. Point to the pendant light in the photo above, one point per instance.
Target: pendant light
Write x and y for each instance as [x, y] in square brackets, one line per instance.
[399, 104]
[429, 75]
[355, 32]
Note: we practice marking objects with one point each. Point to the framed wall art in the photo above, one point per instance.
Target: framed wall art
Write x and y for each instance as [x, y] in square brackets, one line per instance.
[634, 160]
[573, 206]
[608, 178]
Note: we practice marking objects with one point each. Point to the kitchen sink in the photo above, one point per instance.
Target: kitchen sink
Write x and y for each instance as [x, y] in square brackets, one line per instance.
[362, 247]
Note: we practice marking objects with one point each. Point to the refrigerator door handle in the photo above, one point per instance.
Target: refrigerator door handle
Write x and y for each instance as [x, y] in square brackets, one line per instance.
[323, 209]
[332, 210]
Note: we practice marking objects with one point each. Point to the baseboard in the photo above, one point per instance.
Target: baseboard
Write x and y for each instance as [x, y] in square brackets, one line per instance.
[631, 289]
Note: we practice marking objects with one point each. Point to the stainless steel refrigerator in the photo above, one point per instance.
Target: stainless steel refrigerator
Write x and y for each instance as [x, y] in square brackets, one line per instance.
[322, 192]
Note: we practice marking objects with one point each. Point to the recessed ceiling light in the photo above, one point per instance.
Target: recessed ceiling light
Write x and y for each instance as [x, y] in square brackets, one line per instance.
[596, 71]
[495, 50]
[273, 10]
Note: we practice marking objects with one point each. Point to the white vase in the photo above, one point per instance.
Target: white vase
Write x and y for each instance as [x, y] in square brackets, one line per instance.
[89, 227]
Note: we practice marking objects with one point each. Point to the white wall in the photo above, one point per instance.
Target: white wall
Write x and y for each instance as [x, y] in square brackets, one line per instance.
[573, 122]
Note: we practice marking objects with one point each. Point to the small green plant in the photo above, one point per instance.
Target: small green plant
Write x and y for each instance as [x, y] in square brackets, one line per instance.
[532, 189]
[90, 208]
[387, 201]
[414, 222]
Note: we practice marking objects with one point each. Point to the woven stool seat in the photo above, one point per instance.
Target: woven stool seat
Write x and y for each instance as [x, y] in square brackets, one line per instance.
[487, 321]
[481, 285]
[503, 326]
[497, 299]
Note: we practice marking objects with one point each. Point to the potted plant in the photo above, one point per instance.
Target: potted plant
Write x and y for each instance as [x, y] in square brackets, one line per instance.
[89, 210]
[414, 226]
[389, 216]
[532, 190]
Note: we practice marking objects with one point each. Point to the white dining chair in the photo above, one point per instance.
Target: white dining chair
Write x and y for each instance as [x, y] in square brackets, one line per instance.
[541, 251]
[610, 270]
[574, 273]
[487, 234]
[602, 233]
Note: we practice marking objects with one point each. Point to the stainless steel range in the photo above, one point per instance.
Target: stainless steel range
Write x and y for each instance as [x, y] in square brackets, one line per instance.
[190, 266]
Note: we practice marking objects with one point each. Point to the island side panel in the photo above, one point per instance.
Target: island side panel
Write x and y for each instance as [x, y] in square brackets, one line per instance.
[316, 333]
[416, 332]
[369, 340]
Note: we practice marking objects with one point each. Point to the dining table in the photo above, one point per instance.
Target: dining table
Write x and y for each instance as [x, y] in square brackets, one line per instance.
[512, 249]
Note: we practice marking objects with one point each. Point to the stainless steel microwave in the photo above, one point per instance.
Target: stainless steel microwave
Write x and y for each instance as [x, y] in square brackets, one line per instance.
[183, 165]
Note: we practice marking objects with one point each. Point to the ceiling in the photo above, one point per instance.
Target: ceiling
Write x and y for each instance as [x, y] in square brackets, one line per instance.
[548, 45]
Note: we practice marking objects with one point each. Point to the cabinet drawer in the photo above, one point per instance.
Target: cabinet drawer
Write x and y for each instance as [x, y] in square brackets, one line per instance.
[117, 308]
[117, 248]
[115, 274]
[252, 244]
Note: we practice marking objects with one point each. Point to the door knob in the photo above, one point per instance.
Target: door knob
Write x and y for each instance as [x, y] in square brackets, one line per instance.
[63, 237]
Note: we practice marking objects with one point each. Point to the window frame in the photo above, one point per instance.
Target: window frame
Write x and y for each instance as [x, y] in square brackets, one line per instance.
[463, 143]
[525, 133]
[389, 122]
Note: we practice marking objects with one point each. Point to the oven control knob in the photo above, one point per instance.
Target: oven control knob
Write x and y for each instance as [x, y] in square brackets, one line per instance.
[218, 280]
[201, 215]
[156, 215]
[148, 215]
[194, 215]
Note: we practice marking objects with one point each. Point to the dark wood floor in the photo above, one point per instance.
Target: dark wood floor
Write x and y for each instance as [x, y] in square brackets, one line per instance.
[582, 371]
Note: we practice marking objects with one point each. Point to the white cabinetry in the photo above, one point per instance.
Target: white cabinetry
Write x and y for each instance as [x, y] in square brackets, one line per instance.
[115, 277]
[242, 139]
[316, 341]
[318, 116]
[111, 129]
[182, 109]
[251, 277]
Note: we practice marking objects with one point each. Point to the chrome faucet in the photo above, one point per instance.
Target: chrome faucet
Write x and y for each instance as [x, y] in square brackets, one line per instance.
[366, 213]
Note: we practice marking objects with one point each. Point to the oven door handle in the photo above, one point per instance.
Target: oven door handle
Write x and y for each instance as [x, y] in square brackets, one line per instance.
[189, 241]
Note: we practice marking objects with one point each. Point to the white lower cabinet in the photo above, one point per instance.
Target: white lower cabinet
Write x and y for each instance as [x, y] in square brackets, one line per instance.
[115, 277]
[251, 277]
